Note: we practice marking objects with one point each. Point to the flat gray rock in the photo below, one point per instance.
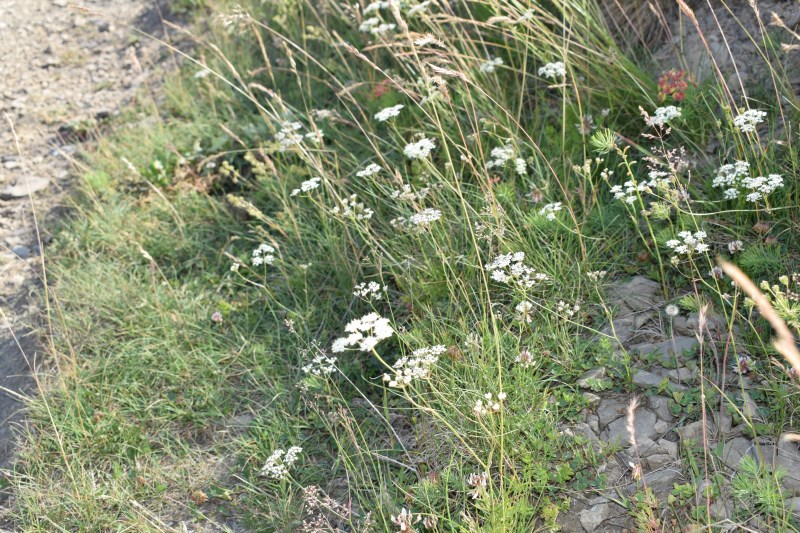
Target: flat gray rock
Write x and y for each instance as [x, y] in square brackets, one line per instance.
[24, 187]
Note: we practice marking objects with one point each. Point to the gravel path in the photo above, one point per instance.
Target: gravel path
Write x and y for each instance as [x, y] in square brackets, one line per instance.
[63, 67]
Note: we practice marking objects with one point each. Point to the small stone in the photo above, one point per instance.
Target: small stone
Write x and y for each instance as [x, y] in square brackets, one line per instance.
[721, 509]
[23, 252]
[682, 374]
[593, 374]
[592, 400]
[793, 506]
[594, 423]
[24, 187]
[643, 378]
[644, 420]
[609, 410]
[661, 427]
[670, 447]
[592, 517]
[693, 431]
[659, 460]
[734, 450]
[662, 481]
[660, 405]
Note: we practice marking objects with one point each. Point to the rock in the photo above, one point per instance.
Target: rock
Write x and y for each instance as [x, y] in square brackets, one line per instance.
[24, 186]
[639, 294]
[609, 410]
[793, 506]
[23, 252]
[670, 447]
[643, 423]
[659, 460]
[592, 517]
[594, 423]
[660, 405]
[593, 374]
[669, 350]
[592, 400]
[734, 450]
[643, 378]
[693, 431]
[661, 427]
[721, 509]
[662, 481]
[683, 374]
[788, 458]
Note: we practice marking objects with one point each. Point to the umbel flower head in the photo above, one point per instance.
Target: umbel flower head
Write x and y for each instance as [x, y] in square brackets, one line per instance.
[364, 333]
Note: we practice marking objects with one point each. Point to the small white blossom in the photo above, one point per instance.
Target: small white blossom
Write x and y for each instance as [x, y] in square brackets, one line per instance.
[416, 366]
[320, 364]
[364, 333]
[687, 244]
[390, 112]
[735, 179]
[509, 268]
[746, 122]
[369, 170]
[264, 254]
[524, 359]
[351, 207]
[306, 186]
[550, 210]
[524, 309]
[663, 115]
[278, 464]
[478, 483]
[735, 246]
[405, 521]
[490, 65]
[369, 291]
[553, 70]
[420, 149]
[288, 136]
[672, 310]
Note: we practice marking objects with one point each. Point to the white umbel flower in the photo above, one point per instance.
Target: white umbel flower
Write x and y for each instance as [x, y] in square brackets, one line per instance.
[389, 112]
[553, 70]
[420, 149]
[747, 121]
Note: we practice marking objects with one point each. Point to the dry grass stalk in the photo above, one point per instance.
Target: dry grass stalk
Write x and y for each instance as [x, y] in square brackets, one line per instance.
[784, 343]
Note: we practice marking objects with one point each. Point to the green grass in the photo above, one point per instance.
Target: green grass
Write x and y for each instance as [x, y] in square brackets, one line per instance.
[154, 413]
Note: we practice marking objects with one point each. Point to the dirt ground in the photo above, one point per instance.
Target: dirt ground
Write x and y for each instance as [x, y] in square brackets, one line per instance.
[65, 68]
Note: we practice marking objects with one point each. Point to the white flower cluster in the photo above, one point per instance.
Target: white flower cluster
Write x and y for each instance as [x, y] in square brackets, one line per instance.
[408, 193]
[376, 26]
[524, 359]
[405, 521]
[735, 178]
[263, 255]
[351, 207]
[509, 268]
[420, 149]
[553, 70]
[416, 366]
[735, 246]
[663, 115]
[389, 112]
[524, 309]
[478, 483]
[550, 210]
[597, 275]
[490, 65]
[567, 311]
[364, 333]
[502, 155]
[419, 221]
[306, 186]
[690, 243]
[278, 464]
[320, 364]
[490, 405]
[746, 122]
[375, 6]
[627, 192]
[369, 170]
[288, 136]
[369, 291]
